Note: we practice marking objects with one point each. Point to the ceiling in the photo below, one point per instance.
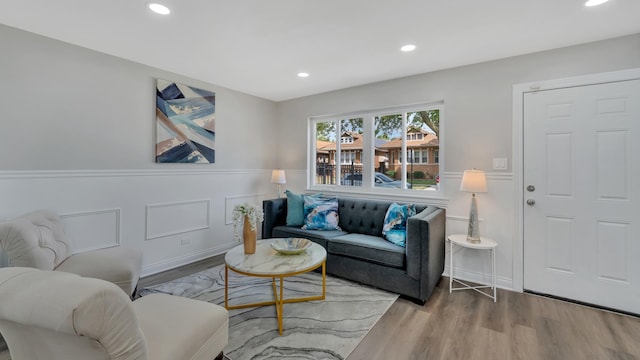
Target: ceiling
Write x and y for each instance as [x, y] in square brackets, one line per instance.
[258, 46]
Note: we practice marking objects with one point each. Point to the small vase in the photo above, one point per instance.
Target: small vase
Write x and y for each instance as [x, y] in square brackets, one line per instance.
[249, 236]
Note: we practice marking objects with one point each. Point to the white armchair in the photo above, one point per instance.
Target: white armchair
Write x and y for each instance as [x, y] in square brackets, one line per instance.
[55, 315]
[38, 240]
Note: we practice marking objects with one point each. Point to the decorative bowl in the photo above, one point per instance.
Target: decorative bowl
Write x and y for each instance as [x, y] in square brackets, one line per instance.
[290, 246]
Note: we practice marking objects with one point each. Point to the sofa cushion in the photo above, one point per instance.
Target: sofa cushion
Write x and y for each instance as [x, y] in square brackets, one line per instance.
[394, 228]
[368, 248]
[295, 208]
[320, 213]
[207, 326]
[119, 265]
[318, 236]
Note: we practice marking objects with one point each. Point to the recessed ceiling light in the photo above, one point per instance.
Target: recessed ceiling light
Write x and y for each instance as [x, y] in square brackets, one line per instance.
[408, 47]
[595, 2]
[303, 74]
[159, 9]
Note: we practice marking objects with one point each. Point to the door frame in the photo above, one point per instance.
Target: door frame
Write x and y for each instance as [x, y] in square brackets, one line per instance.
[518, 152]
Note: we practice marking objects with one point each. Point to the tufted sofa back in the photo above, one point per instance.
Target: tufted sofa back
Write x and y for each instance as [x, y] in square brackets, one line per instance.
[364, 216]
[35, 240]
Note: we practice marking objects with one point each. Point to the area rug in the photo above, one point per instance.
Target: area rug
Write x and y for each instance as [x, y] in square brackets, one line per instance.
[320, 330]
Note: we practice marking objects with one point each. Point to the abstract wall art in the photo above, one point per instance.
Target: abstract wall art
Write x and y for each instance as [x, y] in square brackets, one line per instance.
[185, 124]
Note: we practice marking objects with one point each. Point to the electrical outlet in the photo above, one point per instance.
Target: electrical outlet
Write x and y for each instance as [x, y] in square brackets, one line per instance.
[499, 163]
[185, 242]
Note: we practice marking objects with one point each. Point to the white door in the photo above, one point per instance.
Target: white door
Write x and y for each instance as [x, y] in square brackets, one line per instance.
[582, 156]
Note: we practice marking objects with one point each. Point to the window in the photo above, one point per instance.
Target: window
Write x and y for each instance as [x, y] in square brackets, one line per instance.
[325, 145]
[347, 157]
[383, 150]
[416, 156]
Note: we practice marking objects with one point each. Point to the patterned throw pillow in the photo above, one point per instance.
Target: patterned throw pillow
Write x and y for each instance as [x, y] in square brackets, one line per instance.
[320, 213]
[394, 228]
[295, 208]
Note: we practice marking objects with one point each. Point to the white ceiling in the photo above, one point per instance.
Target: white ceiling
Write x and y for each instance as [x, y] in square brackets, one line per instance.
[258, 46]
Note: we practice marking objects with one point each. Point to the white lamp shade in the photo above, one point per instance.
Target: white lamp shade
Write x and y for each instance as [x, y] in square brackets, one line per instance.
[474, 181]
[278, 177]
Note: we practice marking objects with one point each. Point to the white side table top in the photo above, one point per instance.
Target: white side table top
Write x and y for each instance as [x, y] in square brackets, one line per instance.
[461, 240]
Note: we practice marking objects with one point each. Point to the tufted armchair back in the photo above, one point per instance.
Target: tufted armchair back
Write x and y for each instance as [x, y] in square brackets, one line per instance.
[35, 240]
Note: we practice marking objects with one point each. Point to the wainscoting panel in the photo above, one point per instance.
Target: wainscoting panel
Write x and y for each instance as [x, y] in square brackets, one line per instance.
[91, 230]
[459, 224]
[174, 216]
[231, 201]
[496, 222]
[177, 218]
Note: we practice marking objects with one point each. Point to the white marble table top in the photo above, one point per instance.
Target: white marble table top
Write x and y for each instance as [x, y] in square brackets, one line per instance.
[267, 262]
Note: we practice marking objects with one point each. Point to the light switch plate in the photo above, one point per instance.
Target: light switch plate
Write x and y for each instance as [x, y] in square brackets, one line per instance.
[499, 163]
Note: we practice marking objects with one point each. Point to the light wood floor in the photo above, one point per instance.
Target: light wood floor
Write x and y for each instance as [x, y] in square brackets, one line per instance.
[467, 325]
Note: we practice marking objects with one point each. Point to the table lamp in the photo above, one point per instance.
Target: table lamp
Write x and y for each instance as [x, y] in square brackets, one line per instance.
[278, 178]
[473, 181]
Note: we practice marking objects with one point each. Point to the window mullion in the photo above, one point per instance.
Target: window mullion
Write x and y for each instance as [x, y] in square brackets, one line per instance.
[403, 165]
[367, 156]
[338, 160]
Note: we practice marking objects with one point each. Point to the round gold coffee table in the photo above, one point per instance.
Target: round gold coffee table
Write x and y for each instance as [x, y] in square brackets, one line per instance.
[268, 263]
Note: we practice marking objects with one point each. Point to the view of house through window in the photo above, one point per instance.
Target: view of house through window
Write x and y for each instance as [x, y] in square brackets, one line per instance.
[396, 150]
[325, 158]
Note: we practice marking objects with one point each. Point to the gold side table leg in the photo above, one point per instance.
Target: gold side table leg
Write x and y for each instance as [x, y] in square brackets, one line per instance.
[226, 286]
[281, 304]
[278, 295]
[277, 301]
[324, 279]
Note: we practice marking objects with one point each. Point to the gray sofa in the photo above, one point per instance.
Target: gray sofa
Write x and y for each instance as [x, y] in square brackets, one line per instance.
[358, 251]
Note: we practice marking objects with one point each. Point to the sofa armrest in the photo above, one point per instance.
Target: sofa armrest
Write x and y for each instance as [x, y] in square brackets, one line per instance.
[425, 246]
[275, 214]
[70, 311]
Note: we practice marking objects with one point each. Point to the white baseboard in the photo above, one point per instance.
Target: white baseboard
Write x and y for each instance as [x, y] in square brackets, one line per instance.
[184, 260]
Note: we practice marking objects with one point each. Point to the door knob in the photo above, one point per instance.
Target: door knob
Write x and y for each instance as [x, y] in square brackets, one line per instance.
[531, 188]
[531, 202]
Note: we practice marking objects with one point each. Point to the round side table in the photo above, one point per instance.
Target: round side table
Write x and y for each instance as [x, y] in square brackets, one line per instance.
[484, 244]
[267, 263]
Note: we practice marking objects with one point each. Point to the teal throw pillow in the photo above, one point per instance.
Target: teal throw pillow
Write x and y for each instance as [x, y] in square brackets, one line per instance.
[320, 213]
[394, 228]
[295, 208]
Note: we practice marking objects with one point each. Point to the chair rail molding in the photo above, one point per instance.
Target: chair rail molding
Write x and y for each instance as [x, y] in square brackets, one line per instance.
[33, 174]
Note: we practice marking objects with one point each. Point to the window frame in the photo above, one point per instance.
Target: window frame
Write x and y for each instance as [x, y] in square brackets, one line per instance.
[368, 151]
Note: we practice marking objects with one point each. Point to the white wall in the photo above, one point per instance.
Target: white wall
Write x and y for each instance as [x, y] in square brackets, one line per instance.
[77, 136]
[77, 131]
[478, 120]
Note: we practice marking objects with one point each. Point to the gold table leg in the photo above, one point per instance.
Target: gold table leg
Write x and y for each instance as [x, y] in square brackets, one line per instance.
[278, 295]
[226, 286]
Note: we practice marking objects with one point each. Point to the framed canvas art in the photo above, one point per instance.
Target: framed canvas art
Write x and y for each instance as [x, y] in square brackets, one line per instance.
[185, 124]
